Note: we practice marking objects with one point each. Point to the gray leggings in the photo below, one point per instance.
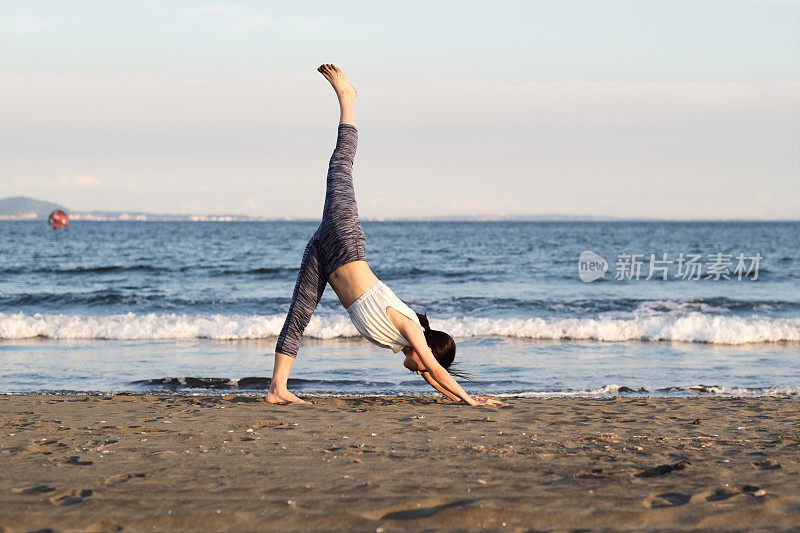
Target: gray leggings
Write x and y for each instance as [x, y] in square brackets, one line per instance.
[338, 240]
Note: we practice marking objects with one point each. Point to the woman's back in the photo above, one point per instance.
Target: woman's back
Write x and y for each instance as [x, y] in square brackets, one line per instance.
[351, 280]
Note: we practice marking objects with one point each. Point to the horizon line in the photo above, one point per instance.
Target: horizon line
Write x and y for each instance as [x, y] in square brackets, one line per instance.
[138, 216]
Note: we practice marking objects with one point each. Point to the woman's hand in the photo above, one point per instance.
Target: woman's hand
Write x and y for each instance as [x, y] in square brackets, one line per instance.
[485, 400]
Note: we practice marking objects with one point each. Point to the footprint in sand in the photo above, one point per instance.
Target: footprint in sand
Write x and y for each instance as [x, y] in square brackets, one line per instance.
[666, 499]
[46, 446]
[662, 470]
[121, 478]
[673, 499]
[96, 445]
[34, 489]
[416, 510]
[729, 492]
[70, 497]
[593, 473]
[767, 465]
[73, 460]
[102, 527]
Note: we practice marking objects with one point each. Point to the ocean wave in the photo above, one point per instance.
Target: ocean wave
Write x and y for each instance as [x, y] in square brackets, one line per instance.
[155, 326]
[688, 390]
[693, 327]
[253, 383]
[102, 269]
[349, 386]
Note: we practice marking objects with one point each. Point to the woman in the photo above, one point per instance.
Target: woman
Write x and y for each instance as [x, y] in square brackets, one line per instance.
[336, 255]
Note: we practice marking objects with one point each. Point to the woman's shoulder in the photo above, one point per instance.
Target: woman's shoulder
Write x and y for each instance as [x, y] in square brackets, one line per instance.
[398, 312]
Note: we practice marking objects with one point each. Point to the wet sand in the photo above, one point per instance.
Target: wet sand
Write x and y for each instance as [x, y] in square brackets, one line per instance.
[189, 463]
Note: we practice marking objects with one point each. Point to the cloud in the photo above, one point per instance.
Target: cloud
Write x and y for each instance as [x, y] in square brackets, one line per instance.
[81, 181]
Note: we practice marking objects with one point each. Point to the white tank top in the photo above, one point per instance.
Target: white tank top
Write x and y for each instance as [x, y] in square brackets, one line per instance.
[368, 314]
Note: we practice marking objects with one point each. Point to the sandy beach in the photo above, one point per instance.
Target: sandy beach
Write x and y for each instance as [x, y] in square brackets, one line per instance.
[236, 463]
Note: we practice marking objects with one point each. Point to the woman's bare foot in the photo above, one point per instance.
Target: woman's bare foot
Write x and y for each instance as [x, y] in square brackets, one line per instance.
[282, 396]
[344, 89]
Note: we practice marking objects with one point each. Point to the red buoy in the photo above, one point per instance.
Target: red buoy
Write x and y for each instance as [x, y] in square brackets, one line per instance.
[58, 219]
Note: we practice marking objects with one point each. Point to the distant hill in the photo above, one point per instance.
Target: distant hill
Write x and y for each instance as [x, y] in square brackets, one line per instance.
[24, 207]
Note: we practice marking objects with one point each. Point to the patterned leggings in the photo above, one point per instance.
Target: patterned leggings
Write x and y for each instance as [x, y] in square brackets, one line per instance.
[338, 240]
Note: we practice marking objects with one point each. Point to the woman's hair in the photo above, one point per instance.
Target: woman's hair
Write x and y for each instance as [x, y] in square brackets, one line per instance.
[441, 344]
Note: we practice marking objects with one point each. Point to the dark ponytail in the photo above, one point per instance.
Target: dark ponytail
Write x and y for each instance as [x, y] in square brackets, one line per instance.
[441, 344]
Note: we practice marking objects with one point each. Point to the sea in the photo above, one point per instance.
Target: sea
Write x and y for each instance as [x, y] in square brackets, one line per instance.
[546, 308]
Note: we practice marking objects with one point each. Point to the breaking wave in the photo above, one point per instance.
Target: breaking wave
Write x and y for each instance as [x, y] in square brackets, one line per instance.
[695, 327]
[678, 391]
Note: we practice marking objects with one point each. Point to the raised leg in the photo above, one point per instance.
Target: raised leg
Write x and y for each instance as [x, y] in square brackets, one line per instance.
[345, 92]
[312, 279]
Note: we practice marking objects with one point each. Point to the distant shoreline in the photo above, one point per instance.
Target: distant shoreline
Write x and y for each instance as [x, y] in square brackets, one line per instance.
[80, 217]
[22, 208]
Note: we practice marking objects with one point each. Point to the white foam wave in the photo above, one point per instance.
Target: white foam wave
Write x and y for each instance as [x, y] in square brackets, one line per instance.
[655, 307]
[692, 327]
[691, 390]
[163, 327]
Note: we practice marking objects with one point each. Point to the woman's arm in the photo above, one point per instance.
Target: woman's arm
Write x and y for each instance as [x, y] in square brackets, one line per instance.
[435, 384]
[414, 334]
[436, 374]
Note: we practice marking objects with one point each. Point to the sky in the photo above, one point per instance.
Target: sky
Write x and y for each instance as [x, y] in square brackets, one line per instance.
[671, 109]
